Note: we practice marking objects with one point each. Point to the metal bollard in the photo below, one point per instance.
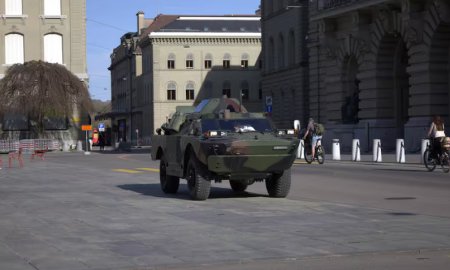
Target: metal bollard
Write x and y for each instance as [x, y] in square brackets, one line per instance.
[301, 150]
[400, 151]
[425, 143]
[356, 152]
[377, 150]
[336, 150]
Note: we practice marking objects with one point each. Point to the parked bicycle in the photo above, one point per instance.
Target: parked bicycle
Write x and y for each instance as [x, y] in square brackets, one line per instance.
[319, 152]
[431, 159]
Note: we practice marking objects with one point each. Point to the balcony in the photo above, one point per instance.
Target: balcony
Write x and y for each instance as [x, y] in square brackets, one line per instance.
[331, 4]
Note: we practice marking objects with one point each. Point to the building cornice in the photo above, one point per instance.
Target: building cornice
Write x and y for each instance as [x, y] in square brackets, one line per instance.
[339, 10]
[203, 35]
[206, 40]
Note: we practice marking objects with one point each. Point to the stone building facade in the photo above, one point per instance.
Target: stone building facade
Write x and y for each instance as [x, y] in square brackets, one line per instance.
[178, 61]
[379, 69]
[49, 30]
[285, 66]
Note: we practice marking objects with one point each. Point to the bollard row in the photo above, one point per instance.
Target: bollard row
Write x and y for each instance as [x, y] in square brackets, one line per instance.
[376, 150]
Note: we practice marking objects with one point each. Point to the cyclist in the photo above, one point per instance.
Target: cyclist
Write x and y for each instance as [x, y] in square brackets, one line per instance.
[436, 134]
[310, 130]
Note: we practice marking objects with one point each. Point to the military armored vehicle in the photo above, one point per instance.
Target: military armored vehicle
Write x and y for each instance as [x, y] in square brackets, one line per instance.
[219, 140]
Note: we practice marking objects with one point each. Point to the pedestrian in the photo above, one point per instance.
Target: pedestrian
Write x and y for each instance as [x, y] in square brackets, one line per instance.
[101, 141]
[436, 134]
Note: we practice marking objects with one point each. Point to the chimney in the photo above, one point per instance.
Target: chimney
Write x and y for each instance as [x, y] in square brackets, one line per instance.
[140, 21]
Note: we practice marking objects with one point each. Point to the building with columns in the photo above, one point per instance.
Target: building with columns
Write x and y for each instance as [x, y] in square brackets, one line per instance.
[178, 61]
[285, 66]
[379, 69]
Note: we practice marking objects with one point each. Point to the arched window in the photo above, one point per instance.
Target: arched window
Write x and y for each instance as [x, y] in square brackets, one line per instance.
[14, 49]
[244, 60]
[226, 60]
[281, 54]
[171, 61]
[291, 48]
[52, 7]
[245, 95]
[208, 61]
[53, 49]
[190, 91]
[171, 91]
[13, 7]
[190, 61]
[226, 89]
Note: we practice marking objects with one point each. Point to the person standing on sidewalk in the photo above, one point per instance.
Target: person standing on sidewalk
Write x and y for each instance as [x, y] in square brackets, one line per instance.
[436, 134]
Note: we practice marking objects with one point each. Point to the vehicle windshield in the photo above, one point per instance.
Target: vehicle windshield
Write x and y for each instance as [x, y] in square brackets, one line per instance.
[238, 125]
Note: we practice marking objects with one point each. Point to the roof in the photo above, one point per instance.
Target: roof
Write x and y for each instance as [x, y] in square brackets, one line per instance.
[217, 24]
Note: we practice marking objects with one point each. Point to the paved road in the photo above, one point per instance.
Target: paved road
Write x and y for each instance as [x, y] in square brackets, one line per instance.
[106, 211]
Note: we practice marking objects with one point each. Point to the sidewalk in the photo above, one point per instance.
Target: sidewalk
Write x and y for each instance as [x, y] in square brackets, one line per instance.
[412, 158]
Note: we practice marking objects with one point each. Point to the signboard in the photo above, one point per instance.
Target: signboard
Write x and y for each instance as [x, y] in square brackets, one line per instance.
[269, 108]
[269, 100]
[101, 127]
[86, 127]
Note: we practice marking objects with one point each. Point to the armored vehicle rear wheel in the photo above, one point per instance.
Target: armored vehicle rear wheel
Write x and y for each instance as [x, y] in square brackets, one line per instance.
[199, 187]
[278, 185]
[238, 186]
[169, 183]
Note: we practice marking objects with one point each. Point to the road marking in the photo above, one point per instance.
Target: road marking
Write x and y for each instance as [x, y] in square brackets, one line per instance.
[124, 157]
[148, 169]
[126, 171]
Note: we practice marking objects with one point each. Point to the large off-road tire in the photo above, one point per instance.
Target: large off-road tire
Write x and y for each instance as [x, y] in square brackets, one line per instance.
[169, 183]
[278, 185]
[238, 186]
[198, 186]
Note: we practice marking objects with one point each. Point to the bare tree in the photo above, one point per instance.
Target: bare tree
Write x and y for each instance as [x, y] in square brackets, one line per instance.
[40, 89]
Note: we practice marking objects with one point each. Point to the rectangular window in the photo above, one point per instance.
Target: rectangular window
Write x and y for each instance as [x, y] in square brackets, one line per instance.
[226, 92]
[14, 49]
[208, 64]
[52, 7]
[245, 94]
[244, 63]
[171, 95]
[53, 48]
[226, 63]
[189, 94]
[171, 64]
[190, 64]
[13, 7]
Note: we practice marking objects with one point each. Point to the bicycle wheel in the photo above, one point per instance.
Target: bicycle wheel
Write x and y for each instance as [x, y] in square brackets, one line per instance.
[444, 162]
[320, 153]
[430, 163]
[308, 155]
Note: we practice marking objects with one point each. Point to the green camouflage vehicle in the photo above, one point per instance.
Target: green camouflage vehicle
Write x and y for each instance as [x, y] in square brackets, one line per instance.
[219, 140]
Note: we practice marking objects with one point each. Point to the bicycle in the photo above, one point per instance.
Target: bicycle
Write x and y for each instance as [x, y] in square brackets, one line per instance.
[431, 160]
[319, 153]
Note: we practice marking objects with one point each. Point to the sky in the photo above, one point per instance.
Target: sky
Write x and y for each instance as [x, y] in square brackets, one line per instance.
[108, 20]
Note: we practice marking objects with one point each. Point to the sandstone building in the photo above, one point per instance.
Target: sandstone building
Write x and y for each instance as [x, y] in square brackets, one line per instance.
[379, 69]
[179, 60]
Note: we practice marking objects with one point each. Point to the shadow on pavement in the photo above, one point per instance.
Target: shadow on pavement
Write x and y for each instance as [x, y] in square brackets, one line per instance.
[154, 190]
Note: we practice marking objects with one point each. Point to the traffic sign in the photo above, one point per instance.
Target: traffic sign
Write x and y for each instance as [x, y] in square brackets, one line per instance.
[269, 108]
[86, 127]
[269, 100]
[101, 127]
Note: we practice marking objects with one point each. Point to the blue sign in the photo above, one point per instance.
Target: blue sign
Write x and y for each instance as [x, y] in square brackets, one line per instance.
[101, 127]
[269, 108]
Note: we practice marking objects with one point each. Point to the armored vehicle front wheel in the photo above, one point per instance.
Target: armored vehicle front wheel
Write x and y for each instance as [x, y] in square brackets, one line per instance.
[169, 183]
[199, 187]
[278, 185]
[238, 186]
